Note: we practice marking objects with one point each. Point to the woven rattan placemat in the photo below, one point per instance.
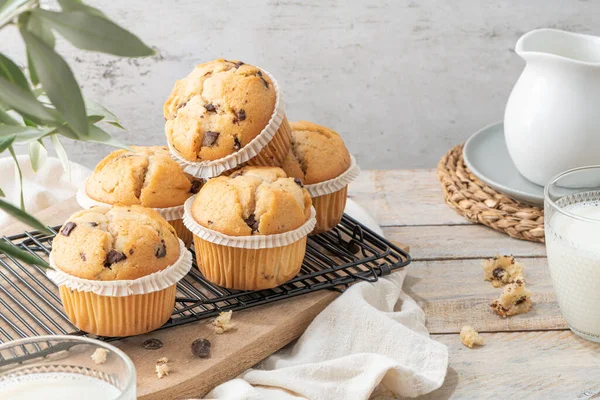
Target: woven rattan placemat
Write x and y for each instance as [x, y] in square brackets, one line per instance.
[479, 203]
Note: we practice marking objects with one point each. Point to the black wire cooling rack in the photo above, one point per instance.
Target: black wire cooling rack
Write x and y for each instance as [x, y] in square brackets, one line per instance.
[30, 304]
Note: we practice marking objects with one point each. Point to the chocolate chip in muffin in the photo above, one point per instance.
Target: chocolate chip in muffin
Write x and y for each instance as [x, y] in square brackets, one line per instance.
[82, 255]
[114, 257]
[130, 251]
[152, 344]
[195, 187]
[210, 107]
[498, 273]
[239, 116]
[93, 224]
[68, 228]
[181, 105]
[298, 182]
[259, 73]
[236, 143]
[210, 138]
[162, 250]
[210, 222]
[252, 223]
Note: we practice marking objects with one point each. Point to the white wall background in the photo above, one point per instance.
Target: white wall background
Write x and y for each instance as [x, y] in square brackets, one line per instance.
[401, 80]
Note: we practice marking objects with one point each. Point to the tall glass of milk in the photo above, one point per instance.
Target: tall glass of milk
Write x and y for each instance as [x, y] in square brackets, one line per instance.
[65, 368]
[572, 225]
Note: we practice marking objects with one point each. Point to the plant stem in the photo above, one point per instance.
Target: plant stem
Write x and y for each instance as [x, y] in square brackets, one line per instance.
[30, 5]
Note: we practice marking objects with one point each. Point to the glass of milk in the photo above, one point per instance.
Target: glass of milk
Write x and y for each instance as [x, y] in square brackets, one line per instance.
[62, 367]
[572, 225]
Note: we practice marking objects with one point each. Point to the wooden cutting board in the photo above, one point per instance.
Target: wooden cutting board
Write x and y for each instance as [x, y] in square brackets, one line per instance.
[258, 333]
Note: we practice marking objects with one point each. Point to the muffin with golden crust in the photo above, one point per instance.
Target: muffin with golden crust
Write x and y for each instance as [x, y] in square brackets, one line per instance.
[110, 245]
[219, 108]
[318, 155]
[252, 202]
[146, 176]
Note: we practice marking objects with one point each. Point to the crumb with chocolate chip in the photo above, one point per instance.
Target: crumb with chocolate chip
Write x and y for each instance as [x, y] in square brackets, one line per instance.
[470, 337]
[99, 355]
[501, 270]
[514, 299]
[162, 367]
[223, 322]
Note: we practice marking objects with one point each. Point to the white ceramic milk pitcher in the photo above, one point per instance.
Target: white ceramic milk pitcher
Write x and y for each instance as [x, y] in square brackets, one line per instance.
[552, 119]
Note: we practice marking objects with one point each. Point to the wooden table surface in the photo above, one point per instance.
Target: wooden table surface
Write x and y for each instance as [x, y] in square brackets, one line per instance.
[525, 356]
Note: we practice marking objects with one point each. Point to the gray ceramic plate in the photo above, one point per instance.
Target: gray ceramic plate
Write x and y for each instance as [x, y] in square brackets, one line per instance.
[486, 155]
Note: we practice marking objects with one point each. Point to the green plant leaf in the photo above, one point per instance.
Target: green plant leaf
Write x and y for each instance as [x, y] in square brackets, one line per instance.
[95, 109]
[32, 73]
[24, 102]
[5, 118]
[23, 216]
[91, 32]
[37, 155]
[9, 8]
[40, 28]
[24, 134]
[116, 124]
[98, 135]
[12, 73]
[22, 255]
[6, 142]
[61, 154]
[58, 80]
[77, 5]
[92, 119]
[2, 193]
[14, 156]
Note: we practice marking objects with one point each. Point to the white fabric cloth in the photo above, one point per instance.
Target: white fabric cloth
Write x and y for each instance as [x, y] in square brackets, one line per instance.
[373, 334]
[49, 186]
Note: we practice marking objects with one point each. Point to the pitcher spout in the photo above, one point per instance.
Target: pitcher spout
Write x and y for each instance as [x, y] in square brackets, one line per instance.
[562, 46]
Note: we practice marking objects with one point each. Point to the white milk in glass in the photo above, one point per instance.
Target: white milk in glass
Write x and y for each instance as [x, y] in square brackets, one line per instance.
[573, 248]
[57, 386]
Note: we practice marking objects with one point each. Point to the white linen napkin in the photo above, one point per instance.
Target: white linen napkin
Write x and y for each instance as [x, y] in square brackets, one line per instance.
[373, 334]
[49, 186]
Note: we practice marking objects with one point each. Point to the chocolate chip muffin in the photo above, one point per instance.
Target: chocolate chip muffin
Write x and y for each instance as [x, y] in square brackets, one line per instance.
[319, 159]
[115, 243]
[317, 154]
[252, 201]
[146, 176]
[101, 255]
[250, 228]
[219, 108]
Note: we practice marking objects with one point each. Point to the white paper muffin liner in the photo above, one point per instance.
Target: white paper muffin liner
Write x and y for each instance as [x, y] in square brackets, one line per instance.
[210, 169]
[119, 288]
[247, 242]
[335, 184]
[86, 202]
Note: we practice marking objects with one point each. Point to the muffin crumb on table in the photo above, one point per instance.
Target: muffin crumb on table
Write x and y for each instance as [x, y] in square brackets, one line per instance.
[162, 367]
[223, 322]
[470, 337]
[99, 355]
[501, 270]
[514, 299]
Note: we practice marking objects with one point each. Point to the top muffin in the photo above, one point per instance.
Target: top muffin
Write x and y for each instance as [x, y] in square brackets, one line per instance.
[218, 109]
[146, 176]
[115, 243]
[252, 201]
[317, 154]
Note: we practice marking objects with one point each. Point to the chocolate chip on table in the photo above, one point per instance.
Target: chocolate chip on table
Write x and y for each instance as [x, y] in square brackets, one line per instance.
[210, 107]
[162, 250]
[93, 224]
[259, 73]
[239, 116]
[68, 228]
[152, 344]
[252, 223]
[210, 138]
[201, 348]
[298, 182]
[195, 187]
[236, 144]
[114, 257]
